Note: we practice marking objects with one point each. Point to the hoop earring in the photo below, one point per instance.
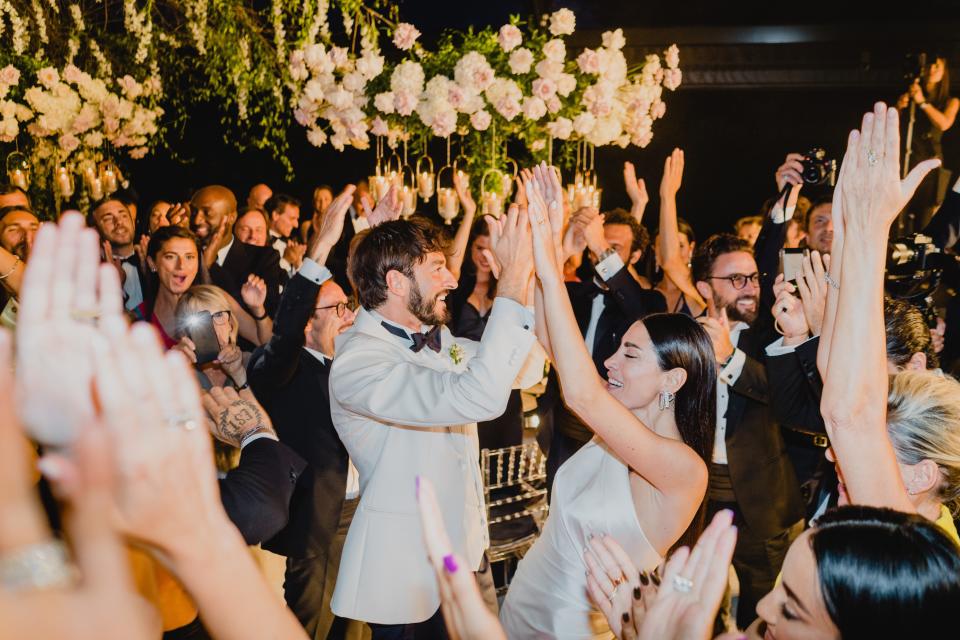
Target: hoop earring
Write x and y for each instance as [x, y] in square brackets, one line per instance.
[667, 398]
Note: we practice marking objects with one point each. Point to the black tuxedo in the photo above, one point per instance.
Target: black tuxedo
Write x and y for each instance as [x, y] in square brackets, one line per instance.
[240, 262]
[256, 494]
[562, 433]
[293, 386]
[758, 482]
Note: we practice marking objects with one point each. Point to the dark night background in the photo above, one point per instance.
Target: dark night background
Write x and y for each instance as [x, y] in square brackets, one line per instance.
[760, 80]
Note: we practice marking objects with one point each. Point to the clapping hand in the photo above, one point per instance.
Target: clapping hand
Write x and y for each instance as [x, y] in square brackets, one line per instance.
[235, 415]
[293, 253]
[464, 612]
[389, 208]
[212, 247]
[613, 584]
[510, 245]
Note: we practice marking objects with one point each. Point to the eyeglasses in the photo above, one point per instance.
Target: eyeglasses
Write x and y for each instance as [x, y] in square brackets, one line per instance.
[739, 280]
[341, 308]
[221, 317]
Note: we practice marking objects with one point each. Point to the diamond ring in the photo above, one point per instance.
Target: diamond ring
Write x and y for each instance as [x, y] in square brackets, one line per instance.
[872, 158]
[682, 585]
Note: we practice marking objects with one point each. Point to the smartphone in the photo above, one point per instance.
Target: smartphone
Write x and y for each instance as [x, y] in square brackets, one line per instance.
[199, 328]
[791, 263]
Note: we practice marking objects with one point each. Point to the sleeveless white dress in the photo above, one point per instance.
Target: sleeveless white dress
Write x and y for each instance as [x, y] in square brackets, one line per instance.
[548, 595]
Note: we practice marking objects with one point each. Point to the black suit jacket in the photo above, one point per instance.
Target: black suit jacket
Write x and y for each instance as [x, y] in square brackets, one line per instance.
[293, 387]
[797, 389]
[763, 478]
[627, 303]
[256, 494]
[337, 261]
[244, 259]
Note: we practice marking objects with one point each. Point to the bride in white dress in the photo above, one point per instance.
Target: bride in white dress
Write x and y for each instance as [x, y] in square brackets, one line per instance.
[642, 479]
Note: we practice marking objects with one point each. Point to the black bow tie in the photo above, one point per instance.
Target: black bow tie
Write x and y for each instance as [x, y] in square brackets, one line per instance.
[429, 339]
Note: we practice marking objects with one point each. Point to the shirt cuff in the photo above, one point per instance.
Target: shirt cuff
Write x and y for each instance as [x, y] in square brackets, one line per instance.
[258, 436]
[731, 373]
[609, 266]
[778, 215]
[315, 272]
[520, 314]
[778, 348]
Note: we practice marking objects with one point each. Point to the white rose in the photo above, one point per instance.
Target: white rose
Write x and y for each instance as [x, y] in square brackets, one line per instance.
[405, 35]
[520, 61]
[605, 131]
[509, 37]
[340, 99]
[584, 123]
[8, 130]
[354, 82]
[444, 123]
[480, 120]
[408, 76]
[48, 77]
[302, 117]
[23, 113]
[316, 136]
[472, 71]
[562, 22]
[555, 50]
[340, 57]
[549, 69]
[68, 143]
[534, 108]
[316, 58]
[553, 104]
[313, 91]
[561, 128]
[379, 127]
[589, 61]
[10, 75]
[370, 65]
[566, 84]
[404, 102]
[93, 139]
[544, 88]
[384, 102]
[8, 109]
[614, 39]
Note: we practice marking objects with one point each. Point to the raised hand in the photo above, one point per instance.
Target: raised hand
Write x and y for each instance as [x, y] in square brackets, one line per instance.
[636, 190]
[389, 208]
[230, 360]
[510, 244]
[254, 294]
[66, 293]
[546, 258]
[464, 612]
[672, 174]
[790, 172]
[788, 313]
[717, 327]
[462, 186]
[871, 191]
[235, 415]
[178, 215]
[812, 287]
[693, 584]
[293, 253]
[212, 247]
[328, 233]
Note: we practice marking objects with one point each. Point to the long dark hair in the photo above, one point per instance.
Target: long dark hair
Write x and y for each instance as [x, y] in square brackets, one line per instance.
[152, 282]
[886, 574]
[680, 341]
[468, 275]
[941, 93]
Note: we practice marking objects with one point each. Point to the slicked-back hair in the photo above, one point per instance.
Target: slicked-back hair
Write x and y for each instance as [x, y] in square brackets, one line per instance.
[711, 249]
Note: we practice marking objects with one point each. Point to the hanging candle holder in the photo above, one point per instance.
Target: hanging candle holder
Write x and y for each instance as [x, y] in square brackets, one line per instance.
[91, 181]
[448, 202]
[492, 201]
[63, 182]
[109, 177]
[408, 187]
[426, 178]
[378, 181]
[510, 178]
[18, 170]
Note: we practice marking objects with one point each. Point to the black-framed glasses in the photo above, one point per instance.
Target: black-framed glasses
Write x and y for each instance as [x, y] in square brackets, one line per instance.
[739, 280]
[221, 317]
[341, 308]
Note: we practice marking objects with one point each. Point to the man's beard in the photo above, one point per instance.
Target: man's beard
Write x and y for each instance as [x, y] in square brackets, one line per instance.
[734, 314]
[20, 250]
[426, 311]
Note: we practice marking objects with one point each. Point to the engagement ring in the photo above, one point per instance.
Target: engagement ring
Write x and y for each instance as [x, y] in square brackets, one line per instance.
[682, 585]
[871, 158]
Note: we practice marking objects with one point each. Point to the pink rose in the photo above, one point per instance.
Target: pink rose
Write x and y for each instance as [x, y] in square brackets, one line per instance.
[405, 35]
[509, 37]
[480, 120]
[544, 88]
[589, 61]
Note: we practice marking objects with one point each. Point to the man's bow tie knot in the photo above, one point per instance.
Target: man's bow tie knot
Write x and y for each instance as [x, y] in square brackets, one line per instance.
[429, 339]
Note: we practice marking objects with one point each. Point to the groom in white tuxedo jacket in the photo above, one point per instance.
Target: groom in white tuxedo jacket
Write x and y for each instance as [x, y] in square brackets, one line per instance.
[405, 398]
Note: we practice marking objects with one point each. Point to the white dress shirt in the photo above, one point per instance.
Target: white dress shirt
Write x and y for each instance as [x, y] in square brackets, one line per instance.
[280, 244]
[606, 269]
[222, 254]
[727, 378]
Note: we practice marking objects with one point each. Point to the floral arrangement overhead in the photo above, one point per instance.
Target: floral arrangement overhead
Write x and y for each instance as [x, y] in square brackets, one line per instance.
[518, 82]
[88, 81]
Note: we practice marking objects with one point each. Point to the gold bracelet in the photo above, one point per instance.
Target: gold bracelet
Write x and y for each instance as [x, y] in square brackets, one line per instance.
[12, 269]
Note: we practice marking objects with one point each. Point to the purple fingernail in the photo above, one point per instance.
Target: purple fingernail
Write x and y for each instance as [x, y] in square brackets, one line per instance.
[450, 563]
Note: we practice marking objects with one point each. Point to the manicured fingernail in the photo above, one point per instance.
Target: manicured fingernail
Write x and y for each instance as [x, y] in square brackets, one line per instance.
[449, 563]
[656, 579]
[644, 580]
[48, 468]
[637, 594]
[626, 616]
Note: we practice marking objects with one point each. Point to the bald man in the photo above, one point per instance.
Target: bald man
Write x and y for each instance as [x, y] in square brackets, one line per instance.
[258, 196]
[230, 262]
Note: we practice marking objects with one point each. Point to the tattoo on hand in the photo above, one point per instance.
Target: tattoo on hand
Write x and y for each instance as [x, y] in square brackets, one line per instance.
[240, 419]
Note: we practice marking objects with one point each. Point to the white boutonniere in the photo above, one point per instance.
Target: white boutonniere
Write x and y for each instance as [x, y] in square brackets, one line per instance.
[456, 353]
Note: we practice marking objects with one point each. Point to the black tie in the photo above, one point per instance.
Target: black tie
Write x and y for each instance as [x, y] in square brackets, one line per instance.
[429, 339]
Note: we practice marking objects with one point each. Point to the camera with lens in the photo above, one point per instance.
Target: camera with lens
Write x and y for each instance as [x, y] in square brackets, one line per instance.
[818, 169]
[914, 270]
[914, 67]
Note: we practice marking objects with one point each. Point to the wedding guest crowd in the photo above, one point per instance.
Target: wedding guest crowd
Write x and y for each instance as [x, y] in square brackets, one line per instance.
[744, 435]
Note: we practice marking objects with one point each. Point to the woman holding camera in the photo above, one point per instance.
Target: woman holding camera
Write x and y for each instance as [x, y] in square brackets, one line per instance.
[931, 94]
[173, 255]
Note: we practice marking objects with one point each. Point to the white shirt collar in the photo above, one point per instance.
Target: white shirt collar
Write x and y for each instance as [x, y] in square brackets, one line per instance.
[222, 254]
[319, 356]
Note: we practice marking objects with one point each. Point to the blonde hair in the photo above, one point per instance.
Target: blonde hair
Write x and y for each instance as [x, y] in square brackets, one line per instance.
[205, 297]
[923, 422]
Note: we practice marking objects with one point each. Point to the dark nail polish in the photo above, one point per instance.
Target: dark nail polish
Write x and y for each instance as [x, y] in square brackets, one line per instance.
[450, 564]
[656, 579]
[637, 594]
[626, 617]
[644, 580]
